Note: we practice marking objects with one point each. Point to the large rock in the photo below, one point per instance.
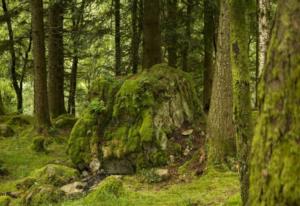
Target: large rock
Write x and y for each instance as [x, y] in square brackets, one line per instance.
[131, 121]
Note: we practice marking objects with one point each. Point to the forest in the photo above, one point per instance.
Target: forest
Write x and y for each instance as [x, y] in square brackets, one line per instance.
[150, 103]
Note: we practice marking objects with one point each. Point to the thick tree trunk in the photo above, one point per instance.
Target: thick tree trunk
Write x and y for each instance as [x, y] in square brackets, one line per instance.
[40, 76]
[152, 34]
[135, 37]
[56, 59]
[13, 64]
[209, 39]
[187, 37]
[275, 150]
[171, 33]
[220, 119]
[242, 103]
[118, 51]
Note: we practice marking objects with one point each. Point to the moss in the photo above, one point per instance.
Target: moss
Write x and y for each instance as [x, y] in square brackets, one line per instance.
[146, 130]
[56, 175]
[64, 121]
[42, 195]
[111, 187]
[4, 201]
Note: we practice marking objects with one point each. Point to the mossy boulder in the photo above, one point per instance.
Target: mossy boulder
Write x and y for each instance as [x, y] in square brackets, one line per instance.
[5, 201]
[6, 130]
[64, 121]
[42, 195]
[137, 117]
[52, 174]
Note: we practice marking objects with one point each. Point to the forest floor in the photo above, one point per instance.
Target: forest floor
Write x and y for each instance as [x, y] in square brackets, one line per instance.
[210, 188]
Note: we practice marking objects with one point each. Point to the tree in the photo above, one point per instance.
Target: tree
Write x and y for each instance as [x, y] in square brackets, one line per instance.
[220, 120]
[1, 104]
[210, 25]
[56, 59]
[171, 33]
[40, 76]
[14, 75]
[242, 105]
[275, 150]
[134, 39]
[118, 51]
[152, 34]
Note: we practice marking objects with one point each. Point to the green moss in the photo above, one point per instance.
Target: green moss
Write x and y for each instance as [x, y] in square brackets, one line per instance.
[64, 121]
[4, 201]
[39, 144]
[146, 130]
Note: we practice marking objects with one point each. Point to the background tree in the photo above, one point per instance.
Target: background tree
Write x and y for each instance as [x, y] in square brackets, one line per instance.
[275, 149]
[40, 76]
[135, 36]
[171, 32]
[151, 34]
[56, 58]
[118, 51]
[220, 119]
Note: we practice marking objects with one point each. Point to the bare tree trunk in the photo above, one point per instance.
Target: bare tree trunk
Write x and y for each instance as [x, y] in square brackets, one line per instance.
[220, 120]
[171, 33]
[13, 65]
[40, 76]
[56, 59]
[134, 39]
[118, 51]
[152, 34]
[274, 174]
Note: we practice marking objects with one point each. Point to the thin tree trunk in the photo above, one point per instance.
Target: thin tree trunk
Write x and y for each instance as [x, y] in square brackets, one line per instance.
[186, 46]
[274, 175]
[40, 76]
[1, 104]
[118, 52]
[13, 64]
[220, 120]
[135, 37]
[209, 39]
[242, 103]
[152, 34]
[171, 34]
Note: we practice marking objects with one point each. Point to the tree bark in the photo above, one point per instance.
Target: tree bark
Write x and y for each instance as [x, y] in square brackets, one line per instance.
[40, 76]
[13, 65]
[275, 150]
[220, 120]
[118, 51]
[186, 45]
[209, 39]
[135, 37]
[152, 34]
[56, 59]
[171, 33]
[242, 103]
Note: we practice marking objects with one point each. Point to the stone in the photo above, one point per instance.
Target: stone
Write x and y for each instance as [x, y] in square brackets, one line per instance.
[74, 188]
[187, 132]
[118, 167]
[162, 173]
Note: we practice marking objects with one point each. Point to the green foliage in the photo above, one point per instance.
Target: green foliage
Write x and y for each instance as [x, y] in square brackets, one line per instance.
[39, 144]
[4, 200]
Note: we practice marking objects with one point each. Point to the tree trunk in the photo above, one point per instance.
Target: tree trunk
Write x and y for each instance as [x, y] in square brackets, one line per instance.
[209, 39]
[187, 37]
[275, 150]
[242, 103]
[77, 19]
[13, 65]
[118, 52]
[135, 37]
[56, 59]
[152, 34]
[40, 76]
[171, 33]
[263, 36]
[1, 104]
[220, 119]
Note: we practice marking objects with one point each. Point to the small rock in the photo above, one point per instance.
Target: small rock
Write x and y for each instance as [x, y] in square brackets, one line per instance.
[187, 132]
[187, 151]
[73, 188]
[163, 173]
[84, 174]
[95, 165]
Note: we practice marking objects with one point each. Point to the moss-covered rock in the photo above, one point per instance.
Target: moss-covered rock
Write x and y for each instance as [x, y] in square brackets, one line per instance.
[4, 201]
[6, 130]
[52, 174]
[42, 195]
[64, 121]
[138, 116]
